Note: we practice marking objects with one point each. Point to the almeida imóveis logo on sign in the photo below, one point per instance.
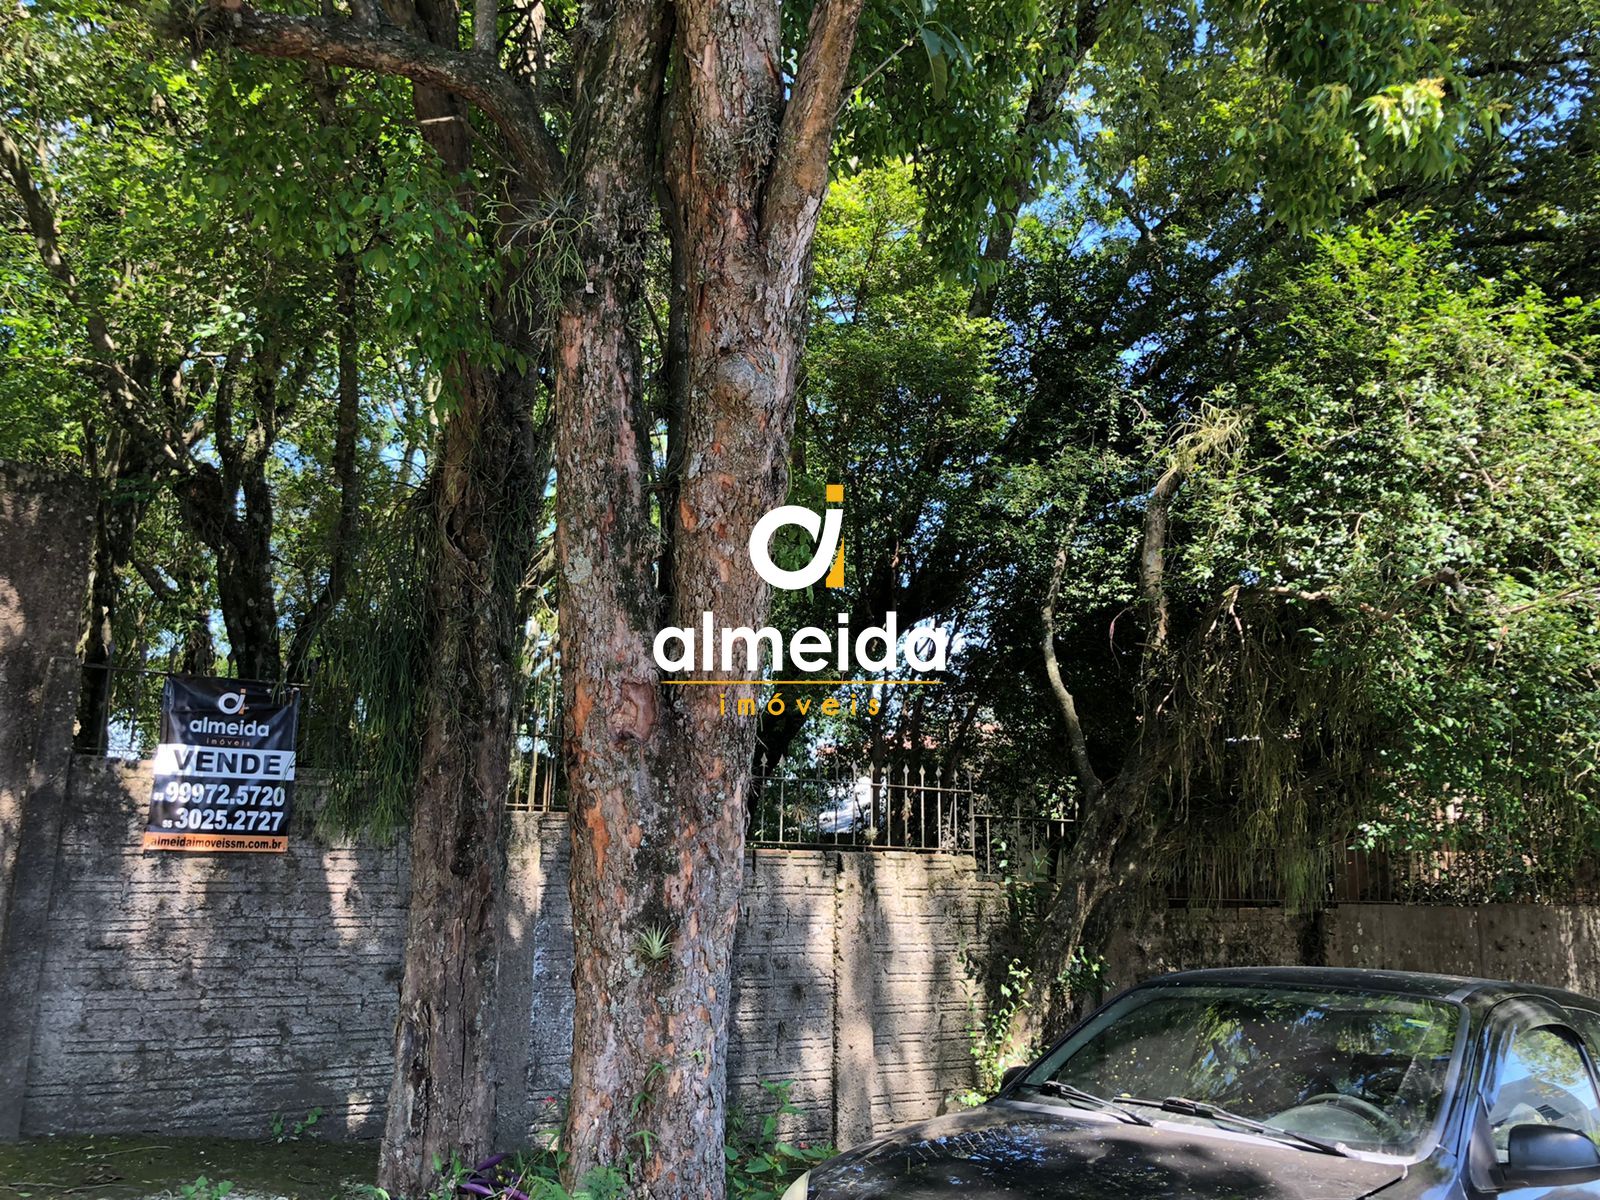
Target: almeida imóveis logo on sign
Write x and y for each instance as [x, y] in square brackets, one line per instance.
[812, 649]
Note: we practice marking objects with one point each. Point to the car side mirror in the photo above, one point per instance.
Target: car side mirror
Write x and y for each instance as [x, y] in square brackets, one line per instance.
[1010, 1076]
[1549, 1156]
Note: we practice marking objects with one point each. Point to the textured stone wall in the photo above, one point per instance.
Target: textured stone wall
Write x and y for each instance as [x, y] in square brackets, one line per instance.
[1555, 944]
[850, 982]
[1183, 939]
[207, 993]
[1558, 945]
[911, 930]
[204, 994]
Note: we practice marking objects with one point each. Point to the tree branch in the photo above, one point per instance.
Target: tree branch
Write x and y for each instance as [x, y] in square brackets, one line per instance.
[1153, 550]
[389, 51]
[159, 587]
[485, 28]
[346, 472]
[1083, 23]
[126, 401]
[800, 170]
[1088, 781]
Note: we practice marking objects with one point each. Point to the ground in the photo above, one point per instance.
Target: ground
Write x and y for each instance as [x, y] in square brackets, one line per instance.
[118, 1168]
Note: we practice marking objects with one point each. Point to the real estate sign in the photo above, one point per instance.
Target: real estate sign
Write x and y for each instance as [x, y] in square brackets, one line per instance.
[224, 771]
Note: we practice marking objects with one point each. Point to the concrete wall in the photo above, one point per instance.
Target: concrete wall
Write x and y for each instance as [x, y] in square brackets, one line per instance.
[1554, 944]
[45, 526]
[1557, 945]
[1181, 939]
[849, 982]
[207, 993]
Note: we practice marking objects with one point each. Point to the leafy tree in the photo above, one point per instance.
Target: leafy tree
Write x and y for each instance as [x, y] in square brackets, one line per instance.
[215, 346]
[571, 115]
[1410, 524]
[586, 233]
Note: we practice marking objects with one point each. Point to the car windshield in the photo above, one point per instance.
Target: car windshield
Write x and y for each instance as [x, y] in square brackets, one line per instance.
[1365, 1069]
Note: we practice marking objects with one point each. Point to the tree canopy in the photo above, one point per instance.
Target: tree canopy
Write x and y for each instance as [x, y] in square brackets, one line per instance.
[1221, 375]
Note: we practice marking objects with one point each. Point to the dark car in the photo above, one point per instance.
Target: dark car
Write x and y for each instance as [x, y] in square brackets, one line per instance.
[1316, 1084]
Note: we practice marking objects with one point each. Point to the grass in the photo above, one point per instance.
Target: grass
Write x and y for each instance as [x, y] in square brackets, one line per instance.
[129, 1168]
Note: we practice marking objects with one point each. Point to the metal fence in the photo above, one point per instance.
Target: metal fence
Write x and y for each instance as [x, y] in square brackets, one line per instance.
[850, 805]
[865, 806]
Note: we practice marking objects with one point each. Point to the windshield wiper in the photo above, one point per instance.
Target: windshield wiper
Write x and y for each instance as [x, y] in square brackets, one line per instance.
[1202, 1108]
[1067, 1091]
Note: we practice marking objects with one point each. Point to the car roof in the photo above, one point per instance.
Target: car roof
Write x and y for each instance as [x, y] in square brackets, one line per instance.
[1474, 992]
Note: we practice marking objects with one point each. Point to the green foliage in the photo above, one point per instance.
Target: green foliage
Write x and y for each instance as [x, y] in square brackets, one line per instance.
[995, 1048]
[367, 700]
[294, 169]
[284, 1130]
[1151, 290]
[205, 1189]
[1313, 108]
[654, 943]
[1404, 561]
[761, 1165]
[210, 209]
[900, 404]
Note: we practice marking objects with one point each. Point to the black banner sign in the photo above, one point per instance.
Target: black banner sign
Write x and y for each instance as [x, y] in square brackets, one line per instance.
[224, 768]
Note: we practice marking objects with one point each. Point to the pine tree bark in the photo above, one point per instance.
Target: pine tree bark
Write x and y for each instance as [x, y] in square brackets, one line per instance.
[655, 777]
[441, 1100]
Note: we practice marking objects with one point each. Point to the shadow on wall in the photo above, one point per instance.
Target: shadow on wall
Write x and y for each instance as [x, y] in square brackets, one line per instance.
[1519, 942]
[208, 994]
[849, 982]
[45, 527]
[534, 1027]
[46, 522]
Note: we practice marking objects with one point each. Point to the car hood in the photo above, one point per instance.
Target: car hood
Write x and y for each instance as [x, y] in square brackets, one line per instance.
[1020, 1150]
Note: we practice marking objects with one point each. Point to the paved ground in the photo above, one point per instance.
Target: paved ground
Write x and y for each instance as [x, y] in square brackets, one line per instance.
[106, 1168]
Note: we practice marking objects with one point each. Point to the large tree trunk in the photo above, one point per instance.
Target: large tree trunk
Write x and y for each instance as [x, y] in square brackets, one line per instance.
[624, 816]
[656, 774]
[1098, 872]
[346, 473]
[1115, 825]
[485, 494]
[655, 777]
[246, 587]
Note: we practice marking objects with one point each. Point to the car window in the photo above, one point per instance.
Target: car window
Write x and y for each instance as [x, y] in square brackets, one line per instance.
[1588, 1026]
[1543, 1079]
[1365, 1068]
